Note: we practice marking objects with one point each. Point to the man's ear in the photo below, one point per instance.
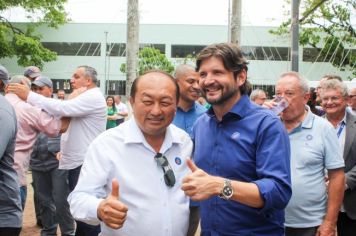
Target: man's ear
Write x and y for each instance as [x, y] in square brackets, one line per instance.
[131, 100]
[241, 78]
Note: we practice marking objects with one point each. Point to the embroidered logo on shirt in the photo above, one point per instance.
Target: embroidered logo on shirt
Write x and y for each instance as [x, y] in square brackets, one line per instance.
[309, 137]
[178, 161]
[235, 136]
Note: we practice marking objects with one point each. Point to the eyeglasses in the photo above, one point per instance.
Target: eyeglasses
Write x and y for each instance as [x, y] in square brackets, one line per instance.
[168, 173]
[333, 99]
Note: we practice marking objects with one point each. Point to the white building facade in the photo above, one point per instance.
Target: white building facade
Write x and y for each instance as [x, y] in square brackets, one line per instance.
[103, 46]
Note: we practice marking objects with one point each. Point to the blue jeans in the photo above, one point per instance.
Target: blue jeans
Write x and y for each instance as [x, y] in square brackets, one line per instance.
[23, 195]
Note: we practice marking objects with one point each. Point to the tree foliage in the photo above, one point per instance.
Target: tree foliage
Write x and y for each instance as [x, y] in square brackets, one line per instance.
[22, 41]
[326, 25]
[151, 58]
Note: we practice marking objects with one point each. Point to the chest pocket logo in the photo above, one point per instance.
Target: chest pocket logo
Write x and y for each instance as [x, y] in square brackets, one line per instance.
[235, 136]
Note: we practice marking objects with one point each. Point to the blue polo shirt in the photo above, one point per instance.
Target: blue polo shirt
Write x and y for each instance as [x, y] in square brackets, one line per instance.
[186, 119]
[315, 147]
[250, 144]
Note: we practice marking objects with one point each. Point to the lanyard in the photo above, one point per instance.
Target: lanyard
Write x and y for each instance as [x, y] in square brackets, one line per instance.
[340, 129]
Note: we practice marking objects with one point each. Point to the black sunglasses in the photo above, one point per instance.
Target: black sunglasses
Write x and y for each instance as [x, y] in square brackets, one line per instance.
[168, 173]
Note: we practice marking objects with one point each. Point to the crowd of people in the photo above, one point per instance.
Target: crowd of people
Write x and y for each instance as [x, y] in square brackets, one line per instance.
[200, 148]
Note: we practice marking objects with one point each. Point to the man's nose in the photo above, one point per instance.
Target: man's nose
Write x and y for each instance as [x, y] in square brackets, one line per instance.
[156, 109]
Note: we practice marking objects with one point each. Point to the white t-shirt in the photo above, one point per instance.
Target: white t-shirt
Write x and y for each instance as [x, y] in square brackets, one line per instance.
[123, 153]
[88, 113]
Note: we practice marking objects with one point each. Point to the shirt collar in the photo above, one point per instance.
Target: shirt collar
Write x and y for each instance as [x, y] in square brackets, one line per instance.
[307, 123]
[135, 134]
[192, 108]
[342, 121]
[240, 109]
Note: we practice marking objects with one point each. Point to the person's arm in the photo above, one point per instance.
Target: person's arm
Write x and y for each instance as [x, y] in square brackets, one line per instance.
[124, 110]
[112, 117]
[335, 197]
[334, 163]
[271, 190]
[79, 106]
[42, 121]
[65, 121]
[92, 193]
[200, 186]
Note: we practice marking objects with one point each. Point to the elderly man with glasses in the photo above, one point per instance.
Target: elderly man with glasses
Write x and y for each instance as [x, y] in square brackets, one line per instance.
[130, 179]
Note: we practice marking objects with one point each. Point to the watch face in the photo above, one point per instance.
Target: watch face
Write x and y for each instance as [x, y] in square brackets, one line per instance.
[227, 191]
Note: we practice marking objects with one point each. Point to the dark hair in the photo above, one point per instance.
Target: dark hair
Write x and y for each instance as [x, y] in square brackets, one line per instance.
[90, 72]
[231, 56]
[113, 102]
[169, 76]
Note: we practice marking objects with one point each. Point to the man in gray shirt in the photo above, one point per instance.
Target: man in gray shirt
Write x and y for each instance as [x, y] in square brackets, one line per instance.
[10, 204]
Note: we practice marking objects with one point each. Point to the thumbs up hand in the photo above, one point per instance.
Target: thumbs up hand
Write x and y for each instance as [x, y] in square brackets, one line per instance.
[199, 185]
[111, 210]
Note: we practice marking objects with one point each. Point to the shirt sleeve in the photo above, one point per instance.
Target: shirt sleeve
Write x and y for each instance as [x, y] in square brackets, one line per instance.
[79, 106]
[332, 150]
[92, 187]
[42, 121]
[273, 165]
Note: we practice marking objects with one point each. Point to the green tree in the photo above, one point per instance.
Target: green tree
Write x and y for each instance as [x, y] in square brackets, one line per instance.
[22, 41]
[327, 27]
[151, 58]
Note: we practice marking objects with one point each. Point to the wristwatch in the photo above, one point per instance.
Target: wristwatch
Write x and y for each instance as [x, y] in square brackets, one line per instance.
[227, 191]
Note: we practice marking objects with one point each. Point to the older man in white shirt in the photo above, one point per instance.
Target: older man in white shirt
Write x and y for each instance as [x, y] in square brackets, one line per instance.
[131, 177]
[88, 119]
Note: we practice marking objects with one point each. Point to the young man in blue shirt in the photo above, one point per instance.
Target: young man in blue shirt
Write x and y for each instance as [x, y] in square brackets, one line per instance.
[241, 173]
[188, 111]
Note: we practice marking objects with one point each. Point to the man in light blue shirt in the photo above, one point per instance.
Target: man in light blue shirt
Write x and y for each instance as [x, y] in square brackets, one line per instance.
[313, 208]
[188, 111]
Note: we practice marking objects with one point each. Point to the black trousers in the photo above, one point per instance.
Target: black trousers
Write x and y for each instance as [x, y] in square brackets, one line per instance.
[345, 225]
[8, 231]
[311, 231]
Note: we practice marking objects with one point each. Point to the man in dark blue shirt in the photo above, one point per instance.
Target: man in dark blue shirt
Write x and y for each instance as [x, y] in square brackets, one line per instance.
[242, 153]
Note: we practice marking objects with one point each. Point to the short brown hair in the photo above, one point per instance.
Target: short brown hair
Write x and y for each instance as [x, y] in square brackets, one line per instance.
[231, 56]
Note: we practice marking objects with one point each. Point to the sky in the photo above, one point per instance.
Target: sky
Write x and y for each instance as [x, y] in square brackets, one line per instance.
[207, 12]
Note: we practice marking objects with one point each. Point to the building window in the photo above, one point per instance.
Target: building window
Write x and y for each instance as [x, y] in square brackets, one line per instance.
[119, 49]
[160, 47]
[116, 87]
[116, 49]
[61, 84]
[182, 51]
[266, 53]
[313, 55]
[74, 49]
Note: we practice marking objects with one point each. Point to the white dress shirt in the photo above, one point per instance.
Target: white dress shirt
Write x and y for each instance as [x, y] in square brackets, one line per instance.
[121, 107]
[154, 209]
[88, 119]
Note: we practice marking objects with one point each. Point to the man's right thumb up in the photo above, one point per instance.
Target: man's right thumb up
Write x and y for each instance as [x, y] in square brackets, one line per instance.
[115, 189]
